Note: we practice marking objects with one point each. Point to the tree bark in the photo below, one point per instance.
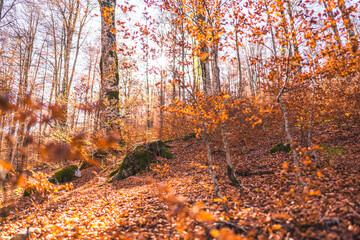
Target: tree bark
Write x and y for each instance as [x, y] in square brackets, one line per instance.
[109, 66]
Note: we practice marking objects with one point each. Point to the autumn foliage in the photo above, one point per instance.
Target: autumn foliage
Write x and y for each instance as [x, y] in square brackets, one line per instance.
[257, 102]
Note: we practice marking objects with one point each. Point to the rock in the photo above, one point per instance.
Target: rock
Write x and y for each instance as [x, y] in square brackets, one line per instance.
[159, 148]
[77, 173]
[133, 163]
[281, 147]
[66, 174]
[156, 147]
[53, 180]
[139, 159]
[165, 153]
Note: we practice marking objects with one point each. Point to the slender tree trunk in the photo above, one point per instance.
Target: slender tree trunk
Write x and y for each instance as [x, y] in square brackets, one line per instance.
[148, 120]
[69, 22]
[183, 57]
[332, 20]
[286, 122]
[216, 75]
[241, 83]
[348, 25]
[162, 98]
[311, 123]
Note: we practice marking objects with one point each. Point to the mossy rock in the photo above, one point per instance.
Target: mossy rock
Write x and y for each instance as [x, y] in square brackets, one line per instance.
[66, 174]
[52, 180]
[165, 153]
[169, 141]
[133, 163]
[156, 147]
[281, 147]
[159, 148]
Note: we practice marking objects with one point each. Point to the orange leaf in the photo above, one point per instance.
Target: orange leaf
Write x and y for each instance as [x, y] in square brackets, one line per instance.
[5, 165]
[276, 227]
[204, 216]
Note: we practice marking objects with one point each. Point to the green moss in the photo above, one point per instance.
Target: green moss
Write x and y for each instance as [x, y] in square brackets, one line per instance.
[156, 147]
[52, 180]
[281, 147]
[133, 163]
[165, 153]
[66, 174]
[143, 158]
[169, 141]
[332, 153]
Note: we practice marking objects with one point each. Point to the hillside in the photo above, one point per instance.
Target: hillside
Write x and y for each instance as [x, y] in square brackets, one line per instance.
[175, 199]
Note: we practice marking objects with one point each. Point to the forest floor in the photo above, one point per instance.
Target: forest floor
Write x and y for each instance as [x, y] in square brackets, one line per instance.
[175, 200]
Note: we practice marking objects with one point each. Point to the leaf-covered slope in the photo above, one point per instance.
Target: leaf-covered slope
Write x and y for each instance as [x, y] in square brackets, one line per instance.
[175, 200]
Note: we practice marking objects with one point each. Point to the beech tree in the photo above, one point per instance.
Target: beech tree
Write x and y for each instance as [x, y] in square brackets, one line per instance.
[109, 66]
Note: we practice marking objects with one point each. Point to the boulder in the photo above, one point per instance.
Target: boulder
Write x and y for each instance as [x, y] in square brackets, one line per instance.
[133, 163]
[281, 147]
[156, 147]
[66, 174]
[139, 159]
[166, 153]
[159, 148]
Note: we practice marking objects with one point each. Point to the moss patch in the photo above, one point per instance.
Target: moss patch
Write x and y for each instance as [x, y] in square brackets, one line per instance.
[133, 163]
[281, 147]
[139, 159]
[52, 180]
[156, 147]
[159, 148]
[66, 174]
[165, 153]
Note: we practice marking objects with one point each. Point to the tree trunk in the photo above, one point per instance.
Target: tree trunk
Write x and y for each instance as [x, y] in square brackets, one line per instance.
[109, 66]
[348, 25]
[241, 84]
[332, 20]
